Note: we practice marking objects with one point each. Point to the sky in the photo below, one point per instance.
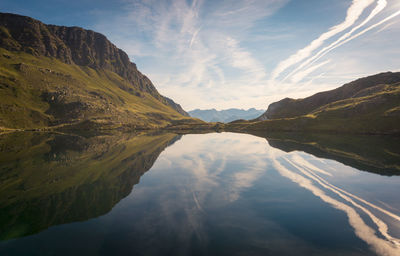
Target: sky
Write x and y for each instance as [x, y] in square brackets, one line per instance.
[238, 53]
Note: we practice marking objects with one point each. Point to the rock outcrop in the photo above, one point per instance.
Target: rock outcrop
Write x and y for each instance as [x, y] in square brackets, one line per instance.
[74, 45]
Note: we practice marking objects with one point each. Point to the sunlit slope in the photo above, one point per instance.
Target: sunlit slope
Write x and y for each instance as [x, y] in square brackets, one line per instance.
[357, 89]
[49, 179]
[56, 76]
[373, 108]
[38, 91]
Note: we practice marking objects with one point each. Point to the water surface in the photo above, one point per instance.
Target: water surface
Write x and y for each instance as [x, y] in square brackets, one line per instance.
[198, 194]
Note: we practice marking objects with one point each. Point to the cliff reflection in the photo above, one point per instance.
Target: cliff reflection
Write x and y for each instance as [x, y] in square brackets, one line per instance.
[50, 179]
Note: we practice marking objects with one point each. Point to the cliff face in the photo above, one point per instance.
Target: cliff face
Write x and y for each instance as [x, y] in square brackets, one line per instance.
[288, 108]
[74, 45]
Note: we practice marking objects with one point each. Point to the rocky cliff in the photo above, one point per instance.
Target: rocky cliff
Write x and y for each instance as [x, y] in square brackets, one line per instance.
[74, 46]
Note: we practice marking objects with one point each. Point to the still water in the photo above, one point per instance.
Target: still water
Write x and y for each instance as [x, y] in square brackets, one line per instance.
[199, 194]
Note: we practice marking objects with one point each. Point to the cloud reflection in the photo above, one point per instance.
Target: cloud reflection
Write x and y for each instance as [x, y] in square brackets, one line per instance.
[391, 246]
[218, 168]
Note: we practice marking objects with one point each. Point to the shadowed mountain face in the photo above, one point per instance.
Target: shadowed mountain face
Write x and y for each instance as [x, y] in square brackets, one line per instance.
[51, 75]
[360, 88]
[225, 116]
[376, 154]
[51, 179]
[369, 105]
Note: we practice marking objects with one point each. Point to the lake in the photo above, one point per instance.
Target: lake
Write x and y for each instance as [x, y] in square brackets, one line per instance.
[199, 194]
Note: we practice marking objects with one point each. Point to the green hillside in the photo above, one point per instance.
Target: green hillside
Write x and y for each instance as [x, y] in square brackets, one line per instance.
[288, 107]
[52, 76]
[369, 106]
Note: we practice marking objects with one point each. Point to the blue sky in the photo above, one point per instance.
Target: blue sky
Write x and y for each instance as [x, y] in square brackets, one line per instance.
[231, 53]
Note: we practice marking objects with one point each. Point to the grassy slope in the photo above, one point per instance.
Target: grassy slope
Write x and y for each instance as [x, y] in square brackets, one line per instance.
[37, 92]
[376, 110]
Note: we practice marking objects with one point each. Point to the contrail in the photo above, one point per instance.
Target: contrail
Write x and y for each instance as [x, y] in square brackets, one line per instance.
[381, 4]
[300, 75]
[194, 37]
[353, 13]
[360, 33]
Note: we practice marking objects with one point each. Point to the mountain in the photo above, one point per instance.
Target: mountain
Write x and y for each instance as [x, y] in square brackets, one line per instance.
[53, 178]
[369, 105]
[357, 89]
[68, 76]
[225, 116]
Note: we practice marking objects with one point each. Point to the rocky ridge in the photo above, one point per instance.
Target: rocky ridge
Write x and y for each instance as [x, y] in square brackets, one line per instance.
[75, 45]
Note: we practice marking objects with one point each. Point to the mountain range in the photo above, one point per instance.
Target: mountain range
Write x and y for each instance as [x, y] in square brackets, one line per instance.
[57, 77]
[225, 116]
[52, 76]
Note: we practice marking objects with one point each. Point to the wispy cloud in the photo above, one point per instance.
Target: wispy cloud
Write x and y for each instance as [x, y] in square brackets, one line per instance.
[195, 45]
[221, 54]
[305, 62]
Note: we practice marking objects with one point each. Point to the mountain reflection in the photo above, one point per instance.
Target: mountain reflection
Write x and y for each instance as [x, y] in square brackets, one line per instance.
[376, 154]
[49, 179]
[209, 194]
